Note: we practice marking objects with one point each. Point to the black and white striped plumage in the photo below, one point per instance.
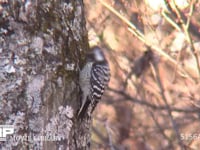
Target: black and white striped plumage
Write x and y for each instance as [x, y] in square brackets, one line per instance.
[93, 79]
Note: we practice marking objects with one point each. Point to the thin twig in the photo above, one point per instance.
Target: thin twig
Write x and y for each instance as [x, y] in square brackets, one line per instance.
[160, 128]
[156, 48]
[122, 18]
[100, 135]
[132, 28]
[181, 71]
[162, 91]
[190, 15]
[152, 106]
[109, 135]
[185, 26]
[170, 21]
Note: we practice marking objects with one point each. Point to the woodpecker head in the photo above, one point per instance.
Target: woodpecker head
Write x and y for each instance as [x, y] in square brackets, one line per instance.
[97, 54]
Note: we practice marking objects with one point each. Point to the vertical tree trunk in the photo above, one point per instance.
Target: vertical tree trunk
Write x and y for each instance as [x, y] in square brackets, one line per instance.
[42, 46]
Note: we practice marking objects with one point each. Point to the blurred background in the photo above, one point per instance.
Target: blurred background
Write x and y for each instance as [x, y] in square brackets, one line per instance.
[153, 98]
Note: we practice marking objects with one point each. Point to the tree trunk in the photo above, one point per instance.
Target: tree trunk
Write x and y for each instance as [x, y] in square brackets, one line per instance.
[42, 47]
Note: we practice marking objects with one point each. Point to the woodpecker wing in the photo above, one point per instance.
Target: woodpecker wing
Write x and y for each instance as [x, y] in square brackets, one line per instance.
[100, 76]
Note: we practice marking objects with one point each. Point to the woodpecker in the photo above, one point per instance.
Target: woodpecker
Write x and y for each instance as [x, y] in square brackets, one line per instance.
[93, 79]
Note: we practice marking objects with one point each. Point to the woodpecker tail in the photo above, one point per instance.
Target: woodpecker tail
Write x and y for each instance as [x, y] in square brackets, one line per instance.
[83, 112]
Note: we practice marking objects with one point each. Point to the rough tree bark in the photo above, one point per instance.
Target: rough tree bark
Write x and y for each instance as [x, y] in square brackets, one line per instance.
[42, 47]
